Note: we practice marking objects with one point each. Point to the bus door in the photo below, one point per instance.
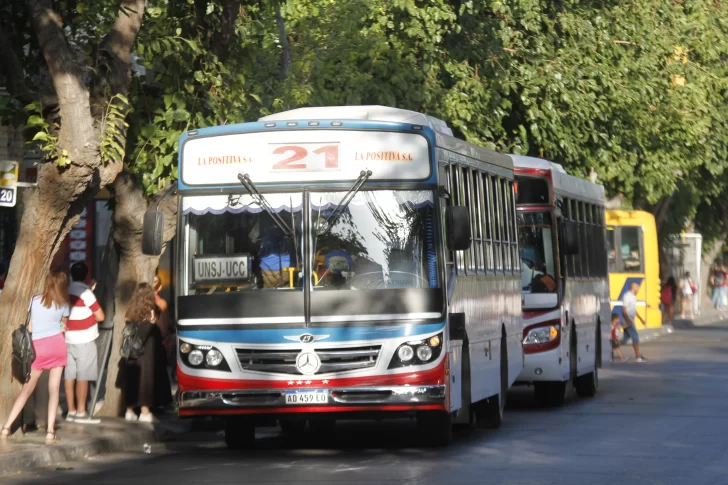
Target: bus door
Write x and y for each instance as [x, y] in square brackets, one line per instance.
[626, 265]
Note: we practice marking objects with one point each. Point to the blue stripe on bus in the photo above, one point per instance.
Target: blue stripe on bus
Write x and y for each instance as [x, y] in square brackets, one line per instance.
[336, 334]
[628, 282]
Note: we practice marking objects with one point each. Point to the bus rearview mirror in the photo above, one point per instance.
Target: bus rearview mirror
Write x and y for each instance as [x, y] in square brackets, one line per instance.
[571, 238]
[457, 221]
[152, 233]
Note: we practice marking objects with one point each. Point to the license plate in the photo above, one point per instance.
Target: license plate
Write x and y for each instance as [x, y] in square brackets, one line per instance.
[319, 396]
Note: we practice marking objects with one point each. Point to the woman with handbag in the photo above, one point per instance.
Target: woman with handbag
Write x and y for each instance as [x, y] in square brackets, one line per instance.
[143, 369]
[48, 314]
[688, 290]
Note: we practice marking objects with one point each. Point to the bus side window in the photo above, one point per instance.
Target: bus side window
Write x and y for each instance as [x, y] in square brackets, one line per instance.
[476, 209]
[631, 249]
[583, 243]
[611, 242]
[488, 222]
[445, 181]
[497, 223]
[467, 201]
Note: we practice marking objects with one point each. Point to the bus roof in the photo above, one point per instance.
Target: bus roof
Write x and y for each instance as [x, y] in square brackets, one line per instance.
[563, 183]
[372, 113]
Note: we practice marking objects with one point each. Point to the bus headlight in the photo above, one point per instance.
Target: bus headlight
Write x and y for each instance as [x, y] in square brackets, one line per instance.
[213, 358]
[542, 336]
[195, 357]
[202, 356]
[405, 353]
[417, 352]
[424, 353]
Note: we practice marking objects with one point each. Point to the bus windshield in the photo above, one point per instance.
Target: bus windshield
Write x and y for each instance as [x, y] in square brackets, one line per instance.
[235, 245]
[383, 239]
[535, 236]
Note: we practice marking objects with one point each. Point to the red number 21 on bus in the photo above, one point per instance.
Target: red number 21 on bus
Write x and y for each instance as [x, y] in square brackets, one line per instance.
[309, 157]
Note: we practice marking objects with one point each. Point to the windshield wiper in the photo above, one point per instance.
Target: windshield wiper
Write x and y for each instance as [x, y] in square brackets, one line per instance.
[263, 202]
[344, 203]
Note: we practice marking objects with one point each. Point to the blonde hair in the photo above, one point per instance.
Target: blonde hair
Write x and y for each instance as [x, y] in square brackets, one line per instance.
[55, 289]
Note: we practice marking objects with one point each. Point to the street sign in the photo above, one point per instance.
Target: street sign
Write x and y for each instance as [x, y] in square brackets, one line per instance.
[8, 184]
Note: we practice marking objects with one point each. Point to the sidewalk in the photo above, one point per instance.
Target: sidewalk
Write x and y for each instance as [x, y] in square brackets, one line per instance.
[708, 316]
[78, 441]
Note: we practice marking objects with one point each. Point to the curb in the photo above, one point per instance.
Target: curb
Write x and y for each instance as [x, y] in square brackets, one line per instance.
[36, 455]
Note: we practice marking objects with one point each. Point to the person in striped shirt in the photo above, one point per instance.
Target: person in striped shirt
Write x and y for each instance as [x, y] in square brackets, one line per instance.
[81, 337]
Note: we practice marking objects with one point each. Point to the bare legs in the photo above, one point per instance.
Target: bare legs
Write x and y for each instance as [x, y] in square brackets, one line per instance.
[54, 390]
[76, 393]
[22, 398]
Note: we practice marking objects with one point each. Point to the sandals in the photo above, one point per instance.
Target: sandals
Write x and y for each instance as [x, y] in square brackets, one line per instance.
[51, 438]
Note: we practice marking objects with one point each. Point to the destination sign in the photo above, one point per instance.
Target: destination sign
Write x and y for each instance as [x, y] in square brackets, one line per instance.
[222, 269]
[304, 156]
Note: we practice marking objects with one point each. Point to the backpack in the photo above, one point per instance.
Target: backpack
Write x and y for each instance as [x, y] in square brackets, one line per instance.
[666, 296]
[718, 279]
[132, 343]
[23, 351]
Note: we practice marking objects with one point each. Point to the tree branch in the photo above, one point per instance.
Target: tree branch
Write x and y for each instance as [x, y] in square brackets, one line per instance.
[77, 133]
[119, 42]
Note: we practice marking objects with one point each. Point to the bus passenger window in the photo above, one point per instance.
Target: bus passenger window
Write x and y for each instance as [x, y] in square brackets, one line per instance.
[612, 250]
[631, 250]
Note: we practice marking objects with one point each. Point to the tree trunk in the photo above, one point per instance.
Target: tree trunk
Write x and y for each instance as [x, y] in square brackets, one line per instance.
[134, 268]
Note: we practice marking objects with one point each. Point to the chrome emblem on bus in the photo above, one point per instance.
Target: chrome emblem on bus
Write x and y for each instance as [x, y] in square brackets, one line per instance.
[307, 338]
[308, 363]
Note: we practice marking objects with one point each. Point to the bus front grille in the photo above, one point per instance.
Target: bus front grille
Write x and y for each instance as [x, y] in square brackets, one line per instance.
[332, 360]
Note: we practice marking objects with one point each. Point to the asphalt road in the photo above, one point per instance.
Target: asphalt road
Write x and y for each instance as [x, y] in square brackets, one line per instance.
[661, 422]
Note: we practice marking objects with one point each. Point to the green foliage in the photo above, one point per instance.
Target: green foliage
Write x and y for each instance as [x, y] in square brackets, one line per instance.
[43, 138]
[114, 128]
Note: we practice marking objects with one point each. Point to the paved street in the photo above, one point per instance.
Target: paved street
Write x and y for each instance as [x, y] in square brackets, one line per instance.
[662, 422]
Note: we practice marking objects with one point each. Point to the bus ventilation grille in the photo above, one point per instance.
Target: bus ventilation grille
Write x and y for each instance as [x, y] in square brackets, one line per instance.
[332, 360]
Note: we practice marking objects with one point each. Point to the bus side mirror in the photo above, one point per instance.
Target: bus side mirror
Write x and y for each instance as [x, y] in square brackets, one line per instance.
[570, 236]
[153, 233]
[457, 221]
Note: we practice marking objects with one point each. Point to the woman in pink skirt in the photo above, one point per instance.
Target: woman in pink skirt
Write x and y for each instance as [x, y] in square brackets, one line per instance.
[48, 317]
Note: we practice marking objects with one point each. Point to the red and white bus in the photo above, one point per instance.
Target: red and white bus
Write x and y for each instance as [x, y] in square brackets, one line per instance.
[564, 280]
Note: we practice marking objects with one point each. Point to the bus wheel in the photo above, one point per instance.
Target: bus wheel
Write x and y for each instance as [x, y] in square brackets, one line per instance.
[292, 427]
[435, 427]
[550, 394]
[491, 410]
[586, 385]
[239, 433]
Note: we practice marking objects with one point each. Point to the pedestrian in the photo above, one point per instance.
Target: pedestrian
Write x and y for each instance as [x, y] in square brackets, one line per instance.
[667, 298]
[629, 313]
[688, 289]
[615, 337]
[144, 380]
[718, 279]
[166, 326]
[83, 330]
[48, 318]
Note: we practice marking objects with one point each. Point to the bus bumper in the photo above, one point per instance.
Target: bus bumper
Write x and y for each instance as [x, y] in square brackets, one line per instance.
[543, 366]
[274, 400]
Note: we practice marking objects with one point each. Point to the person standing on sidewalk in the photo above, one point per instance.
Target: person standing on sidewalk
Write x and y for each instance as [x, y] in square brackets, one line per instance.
[629, 313]
[687, 287]
[48, 316]
[718, 280]
[144, 380]
[81, 337]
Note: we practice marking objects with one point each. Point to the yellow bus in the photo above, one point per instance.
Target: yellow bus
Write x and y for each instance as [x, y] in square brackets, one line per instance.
[633, 256]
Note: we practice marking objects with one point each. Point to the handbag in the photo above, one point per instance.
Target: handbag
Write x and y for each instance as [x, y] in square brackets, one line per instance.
[23, 351]
[693, 288]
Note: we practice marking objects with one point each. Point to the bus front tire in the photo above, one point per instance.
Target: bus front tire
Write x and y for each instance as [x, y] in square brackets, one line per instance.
[435, 427]
[491, 411]
[587, 385]
[239, 433]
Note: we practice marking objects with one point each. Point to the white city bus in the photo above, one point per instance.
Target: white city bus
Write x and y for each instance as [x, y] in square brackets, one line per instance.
[326, 270]
[565, 285]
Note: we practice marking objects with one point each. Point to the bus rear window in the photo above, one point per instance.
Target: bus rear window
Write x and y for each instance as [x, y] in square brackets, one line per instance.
[532, 190]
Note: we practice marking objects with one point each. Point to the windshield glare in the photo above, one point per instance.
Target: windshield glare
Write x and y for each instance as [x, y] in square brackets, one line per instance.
[383, 239]
[537, 255]
[234, 245]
